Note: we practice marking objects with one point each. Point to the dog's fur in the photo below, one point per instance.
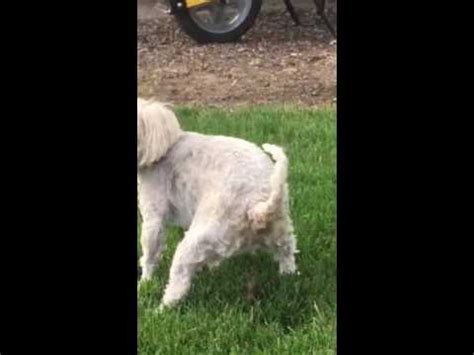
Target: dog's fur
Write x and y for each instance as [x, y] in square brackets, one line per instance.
[225, 192]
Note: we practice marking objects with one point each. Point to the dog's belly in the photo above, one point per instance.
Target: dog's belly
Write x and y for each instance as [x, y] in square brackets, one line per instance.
[178, 218]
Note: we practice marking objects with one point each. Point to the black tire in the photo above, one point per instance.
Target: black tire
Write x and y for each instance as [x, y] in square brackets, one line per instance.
[192, 29]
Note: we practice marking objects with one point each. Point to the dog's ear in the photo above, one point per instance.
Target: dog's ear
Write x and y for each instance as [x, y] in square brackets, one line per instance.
[157, 129]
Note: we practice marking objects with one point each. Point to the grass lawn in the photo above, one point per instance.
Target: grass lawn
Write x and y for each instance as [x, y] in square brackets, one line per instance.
[287, 315]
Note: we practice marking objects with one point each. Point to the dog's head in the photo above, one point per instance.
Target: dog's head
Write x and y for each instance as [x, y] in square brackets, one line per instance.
[157, 130]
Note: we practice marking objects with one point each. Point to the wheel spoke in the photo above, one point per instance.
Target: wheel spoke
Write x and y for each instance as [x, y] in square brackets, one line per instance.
[218, 12]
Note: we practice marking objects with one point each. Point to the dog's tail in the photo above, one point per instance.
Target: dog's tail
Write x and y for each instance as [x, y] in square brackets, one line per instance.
[261, 214]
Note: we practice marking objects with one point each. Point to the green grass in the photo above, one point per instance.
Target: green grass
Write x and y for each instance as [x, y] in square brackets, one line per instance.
[290, 315]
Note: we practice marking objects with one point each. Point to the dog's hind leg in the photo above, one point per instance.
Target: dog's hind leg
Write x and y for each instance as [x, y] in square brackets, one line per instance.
[284, 247]
[193, 252]
[285, 255]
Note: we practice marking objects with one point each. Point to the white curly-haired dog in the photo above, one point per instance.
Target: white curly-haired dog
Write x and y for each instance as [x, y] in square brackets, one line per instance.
[225, 192]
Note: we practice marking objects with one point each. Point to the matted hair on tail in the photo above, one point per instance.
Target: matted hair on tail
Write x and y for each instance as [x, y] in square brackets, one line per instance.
[157, 130]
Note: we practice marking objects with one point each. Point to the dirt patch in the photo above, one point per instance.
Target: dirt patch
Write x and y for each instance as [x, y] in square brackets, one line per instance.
[275, 62]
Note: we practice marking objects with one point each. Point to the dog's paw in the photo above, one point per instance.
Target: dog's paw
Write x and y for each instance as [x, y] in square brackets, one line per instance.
[162, 308]
[213, 265]
[159, 310]
[287, 270]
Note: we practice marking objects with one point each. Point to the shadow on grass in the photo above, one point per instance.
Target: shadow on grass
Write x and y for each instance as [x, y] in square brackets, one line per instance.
[251, 285]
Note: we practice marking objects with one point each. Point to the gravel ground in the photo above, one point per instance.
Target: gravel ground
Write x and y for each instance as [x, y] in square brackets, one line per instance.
[275, 62]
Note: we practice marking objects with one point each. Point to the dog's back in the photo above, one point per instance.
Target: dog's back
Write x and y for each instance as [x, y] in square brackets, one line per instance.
[199, 165]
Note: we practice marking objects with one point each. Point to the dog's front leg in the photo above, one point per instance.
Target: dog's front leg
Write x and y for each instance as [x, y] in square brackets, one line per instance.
[153, 245]
[153, 209]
